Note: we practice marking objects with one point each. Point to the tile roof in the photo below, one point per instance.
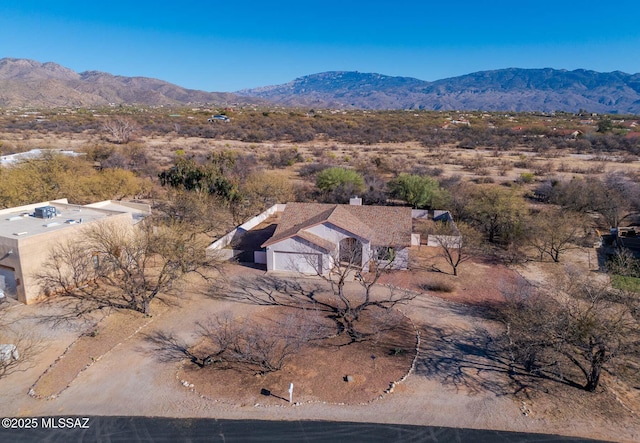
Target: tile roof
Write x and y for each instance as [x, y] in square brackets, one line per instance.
[382, 225]
[347, 220]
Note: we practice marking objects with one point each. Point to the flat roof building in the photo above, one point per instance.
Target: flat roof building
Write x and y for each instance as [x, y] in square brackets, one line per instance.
[29, 232]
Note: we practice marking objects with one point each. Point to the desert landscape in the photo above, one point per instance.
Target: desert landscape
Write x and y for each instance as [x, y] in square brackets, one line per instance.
[450, 377]
[453, 245]
[441, 356]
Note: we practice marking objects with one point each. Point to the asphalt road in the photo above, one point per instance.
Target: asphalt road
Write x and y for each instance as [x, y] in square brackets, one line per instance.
[149, 429]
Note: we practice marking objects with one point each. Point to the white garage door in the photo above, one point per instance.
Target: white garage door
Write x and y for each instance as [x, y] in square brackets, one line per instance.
[306, 263]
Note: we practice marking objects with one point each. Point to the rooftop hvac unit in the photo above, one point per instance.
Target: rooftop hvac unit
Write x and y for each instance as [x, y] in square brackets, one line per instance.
[45, 212]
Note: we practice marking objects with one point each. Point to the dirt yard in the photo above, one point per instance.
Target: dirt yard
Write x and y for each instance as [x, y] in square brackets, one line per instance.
[457, 381]
[478, 281]
[330, 370]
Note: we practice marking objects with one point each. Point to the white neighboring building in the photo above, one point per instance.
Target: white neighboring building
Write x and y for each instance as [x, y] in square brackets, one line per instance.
[12, 159]
[312, 236]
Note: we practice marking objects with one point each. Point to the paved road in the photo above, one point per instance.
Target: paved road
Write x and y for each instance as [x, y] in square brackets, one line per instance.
[146, 429]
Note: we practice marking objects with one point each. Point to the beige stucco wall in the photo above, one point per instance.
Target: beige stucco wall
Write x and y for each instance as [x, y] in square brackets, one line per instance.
[30, 253]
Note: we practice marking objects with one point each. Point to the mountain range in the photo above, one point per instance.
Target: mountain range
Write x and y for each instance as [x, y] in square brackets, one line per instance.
[511, 89]
[31, 83]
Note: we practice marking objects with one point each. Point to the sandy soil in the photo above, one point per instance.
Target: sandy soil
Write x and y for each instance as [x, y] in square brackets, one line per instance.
[477, 282]
[321, 368]
[457, 380]
[87, 350]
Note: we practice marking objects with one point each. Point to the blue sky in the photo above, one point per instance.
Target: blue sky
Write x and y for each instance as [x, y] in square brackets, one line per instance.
[220, 45]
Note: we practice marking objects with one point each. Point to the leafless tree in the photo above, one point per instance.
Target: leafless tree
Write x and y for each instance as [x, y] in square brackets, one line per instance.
[457, 244]
[348, 262]
[615, 198]
[18, 347]
[121, 129]
[203, 213]
[123, 267]
[620, 197]
[586, 326]
[259, 346]
[553, 232]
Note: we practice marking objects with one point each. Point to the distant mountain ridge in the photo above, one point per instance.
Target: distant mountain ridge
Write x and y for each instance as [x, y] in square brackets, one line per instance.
[510, 89]
[30, 83]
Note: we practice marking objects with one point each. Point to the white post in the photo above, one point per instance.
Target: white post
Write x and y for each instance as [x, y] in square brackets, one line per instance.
[291, 393]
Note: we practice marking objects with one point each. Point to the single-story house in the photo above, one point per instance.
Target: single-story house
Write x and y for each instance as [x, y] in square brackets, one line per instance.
[312, 237]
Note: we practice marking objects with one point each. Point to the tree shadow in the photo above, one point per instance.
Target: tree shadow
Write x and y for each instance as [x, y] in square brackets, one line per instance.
[475, 360]
[482, 310]
[70, 313]
[311, 296]
[270, 290]
[431, 267]
[166, 348]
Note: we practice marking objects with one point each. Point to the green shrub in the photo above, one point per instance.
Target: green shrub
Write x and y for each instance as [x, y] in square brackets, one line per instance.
[526, 177]
[333, 178]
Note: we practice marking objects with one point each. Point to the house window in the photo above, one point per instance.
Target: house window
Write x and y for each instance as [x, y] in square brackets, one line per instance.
[385, 253]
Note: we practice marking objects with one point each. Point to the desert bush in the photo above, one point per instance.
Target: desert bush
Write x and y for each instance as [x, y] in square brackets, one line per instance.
[504, 166]
[438, 285]
[280, 158]
[426, 171]
[311, 169]
[526, 177]
[543, 168]
[335, 177]
[419, 191]
[483, 180]
[523, 162]
[476, 163]
[628, 158]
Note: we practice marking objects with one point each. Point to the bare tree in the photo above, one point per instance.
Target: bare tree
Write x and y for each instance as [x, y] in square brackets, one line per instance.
[17, 347]
[123, 267]
[615, 198]
[348, 262]
[619, 198]
[458, 243]
[120, 129]
[555, 231]
[257, 346]
[588, 326]
[203, 213]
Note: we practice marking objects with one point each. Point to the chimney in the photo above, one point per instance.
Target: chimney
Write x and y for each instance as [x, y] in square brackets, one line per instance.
[355, 201]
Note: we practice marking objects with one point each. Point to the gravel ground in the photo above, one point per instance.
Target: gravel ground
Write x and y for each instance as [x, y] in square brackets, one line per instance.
[455, 383]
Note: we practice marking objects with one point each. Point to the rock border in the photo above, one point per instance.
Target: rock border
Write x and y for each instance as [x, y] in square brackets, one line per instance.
[389, 390]
[32, 389]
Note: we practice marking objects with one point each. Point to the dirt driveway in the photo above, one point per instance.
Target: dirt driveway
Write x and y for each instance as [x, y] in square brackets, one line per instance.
[456, 383]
